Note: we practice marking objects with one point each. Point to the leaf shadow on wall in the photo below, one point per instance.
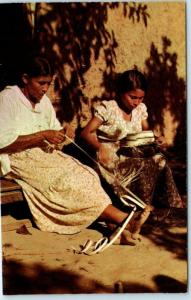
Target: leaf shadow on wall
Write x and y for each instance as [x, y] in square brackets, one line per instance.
[79, 35]
[166, 91]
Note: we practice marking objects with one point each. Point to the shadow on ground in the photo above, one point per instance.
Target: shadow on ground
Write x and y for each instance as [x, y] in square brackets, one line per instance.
[167, 229]
[164, 284]
[37, 279]
[19, 279]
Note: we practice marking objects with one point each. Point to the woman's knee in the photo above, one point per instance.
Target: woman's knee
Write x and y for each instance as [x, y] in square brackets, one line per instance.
[160, 160]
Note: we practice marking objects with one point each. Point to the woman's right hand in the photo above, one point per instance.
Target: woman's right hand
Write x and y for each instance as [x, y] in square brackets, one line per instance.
[103, 156]
[161, 141]
[54, 136]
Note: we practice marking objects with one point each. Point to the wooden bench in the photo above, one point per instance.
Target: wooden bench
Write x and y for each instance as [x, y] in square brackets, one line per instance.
[10, 191]
[15, 212]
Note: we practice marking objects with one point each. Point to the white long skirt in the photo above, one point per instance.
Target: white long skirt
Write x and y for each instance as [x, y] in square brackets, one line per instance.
[64, 196]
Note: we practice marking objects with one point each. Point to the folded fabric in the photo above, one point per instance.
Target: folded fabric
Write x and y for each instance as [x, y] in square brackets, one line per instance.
[138, 139]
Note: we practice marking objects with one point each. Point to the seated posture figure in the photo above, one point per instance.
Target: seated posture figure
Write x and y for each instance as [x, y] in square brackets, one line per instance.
[112, 122]
[64, 196]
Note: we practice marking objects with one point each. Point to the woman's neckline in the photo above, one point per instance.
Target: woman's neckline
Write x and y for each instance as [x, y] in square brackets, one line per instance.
[126, 117]
[27, 97]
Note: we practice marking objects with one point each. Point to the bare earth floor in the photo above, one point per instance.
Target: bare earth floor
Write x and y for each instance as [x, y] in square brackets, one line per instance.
[45, 263]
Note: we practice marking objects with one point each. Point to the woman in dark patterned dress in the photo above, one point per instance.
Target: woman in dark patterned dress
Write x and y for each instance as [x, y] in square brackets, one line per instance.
[115, 120]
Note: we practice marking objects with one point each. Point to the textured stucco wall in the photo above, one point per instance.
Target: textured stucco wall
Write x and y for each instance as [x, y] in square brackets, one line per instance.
[134, 39]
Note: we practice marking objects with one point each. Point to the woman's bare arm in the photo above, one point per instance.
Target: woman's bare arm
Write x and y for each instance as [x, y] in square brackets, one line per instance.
[161, 141]
[37, 139]
[89, 133]
[145, 125]
[90, 136]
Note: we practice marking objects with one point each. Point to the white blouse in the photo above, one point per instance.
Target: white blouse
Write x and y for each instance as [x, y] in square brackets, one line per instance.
[114, 125]
[18, 117]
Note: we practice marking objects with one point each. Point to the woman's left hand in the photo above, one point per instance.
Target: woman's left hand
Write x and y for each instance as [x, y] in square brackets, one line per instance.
[69, 131]
[161, 141]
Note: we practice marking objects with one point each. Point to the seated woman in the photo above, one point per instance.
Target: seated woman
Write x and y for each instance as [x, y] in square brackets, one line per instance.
[116, 120]
[64, 196]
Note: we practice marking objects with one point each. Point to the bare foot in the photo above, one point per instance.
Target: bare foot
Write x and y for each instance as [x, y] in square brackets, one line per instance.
[127, 238]
[137, 222]
[124, 239]
[131, 232]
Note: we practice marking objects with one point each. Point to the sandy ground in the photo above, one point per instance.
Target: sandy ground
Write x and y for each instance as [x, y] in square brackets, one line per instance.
[45, 263]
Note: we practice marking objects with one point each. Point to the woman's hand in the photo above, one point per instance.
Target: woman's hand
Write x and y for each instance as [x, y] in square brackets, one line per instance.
[103, 155]
[47, 140]
[161, 141]
[106, 157]
[54, 136]
[69, 131]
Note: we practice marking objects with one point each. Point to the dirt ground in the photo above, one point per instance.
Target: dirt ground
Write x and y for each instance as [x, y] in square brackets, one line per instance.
[46, 263]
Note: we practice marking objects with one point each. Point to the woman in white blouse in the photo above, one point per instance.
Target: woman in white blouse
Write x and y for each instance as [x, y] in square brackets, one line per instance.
[64, 195]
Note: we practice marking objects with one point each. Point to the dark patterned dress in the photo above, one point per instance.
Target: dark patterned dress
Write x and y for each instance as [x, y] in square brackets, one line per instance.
[144, 169]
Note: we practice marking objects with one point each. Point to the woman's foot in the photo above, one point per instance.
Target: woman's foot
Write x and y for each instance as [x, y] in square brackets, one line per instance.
[124, 239]
[131, 233]
[127, 238]
[136, 223]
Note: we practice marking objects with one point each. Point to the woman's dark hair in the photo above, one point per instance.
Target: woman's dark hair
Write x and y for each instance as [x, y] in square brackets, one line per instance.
[36, 66]
[32, 64]
[131, 80]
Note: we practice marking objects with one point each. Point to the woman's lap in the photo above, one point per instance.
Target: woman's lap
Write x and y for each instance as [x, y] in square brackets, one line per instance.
[61, 192]
[154, 183]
